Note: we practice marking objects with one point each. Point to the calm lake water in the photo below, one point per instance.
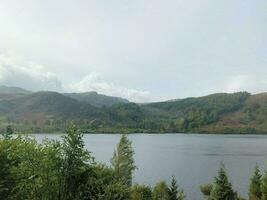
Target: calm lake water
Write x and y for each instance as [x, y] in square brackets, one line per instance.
[193, 159]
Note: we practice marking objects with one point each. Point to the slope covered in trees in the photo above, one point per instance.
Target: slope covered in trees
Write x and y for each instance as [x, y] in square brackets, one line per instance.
[96, 99]
[13, 90]
[217, 113]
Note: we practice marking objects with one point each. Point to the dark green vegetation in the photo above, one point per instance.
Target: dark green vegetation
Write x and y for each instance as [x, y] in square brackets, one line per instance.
[96, 99]
[239, 113]
[13, 90]
[222, 189]
[65, 170]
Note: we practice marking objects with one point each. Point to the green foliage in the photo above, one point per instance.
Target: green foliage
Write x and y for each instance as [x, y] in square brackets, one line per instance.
[95, 99]
[161, 191]
[264, 187]
[66, 171]
[28, 167]
[75, 161]
[7, 134]
[117, 191]
[141, 192]
[255, 185]
[98, 181]
[206, 189]
[7, 182]
[222, 188]
[123, 162]
[48, 171]
[174, 192]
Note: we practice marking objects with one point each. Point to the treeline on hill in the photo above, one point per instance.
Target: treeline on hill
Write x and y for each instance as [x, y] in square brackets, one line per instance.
[51, 112]
[65, 170]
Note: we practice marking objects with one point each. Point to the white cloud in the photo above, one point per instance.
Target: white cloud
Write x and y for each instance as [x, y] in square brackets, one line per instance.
[94, 82]
[244, 82]
[15, 71]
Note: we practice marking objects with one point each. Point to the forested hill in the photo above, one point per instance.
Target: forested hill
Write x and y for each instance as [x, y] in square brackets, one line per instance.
[51, 111]
[96, 99]
[13, 90]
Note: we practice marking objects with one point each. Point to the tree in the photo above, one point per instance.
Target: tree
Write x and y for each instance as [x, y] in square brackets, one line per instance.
[29, 170]
[7, 182]
[141, 192]
[123, 161]
[264, 187]
[161, 191]
[222, 188]
[99, 183]
[8, 133]
[116, 191]
[75, 163]
[255, 185]
[26, 169]
[174, 192]
[206, 189]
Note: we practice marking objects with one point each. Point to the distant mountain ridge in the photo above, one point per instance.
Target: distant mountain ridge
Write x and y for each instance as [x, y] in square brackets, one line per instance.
[96, 99]
[93, 98]
[13, 90]
[240, 113]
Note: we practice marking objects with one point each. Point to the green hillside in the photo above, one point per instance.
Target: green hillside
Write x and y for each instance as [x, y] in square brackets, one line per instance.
[250, 118]
[13, 90]
[96, 99]
[217, 113]
[49, 109]
[191, 114]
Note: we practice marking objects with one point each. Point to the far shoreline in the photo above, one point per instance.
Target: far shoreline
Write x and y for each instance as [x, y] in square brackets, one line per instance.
[151, 133]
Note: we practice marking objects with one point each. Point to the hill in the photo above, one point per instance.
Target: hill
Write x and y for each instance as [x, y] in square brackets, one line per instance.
[9, 93]
[13, 90]
[250, 118]
[96, 99]
[49, 102]
[46, 109]
[217, 113]
[192, 113]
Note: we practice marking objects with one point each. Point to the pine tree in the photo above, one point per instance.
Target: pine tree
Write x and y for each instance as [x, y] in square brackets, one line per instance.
[123, 161]
[174, 192]
[141, 192]
[264, 187]
[116, 191]
[206, 189]
[255, 185]
[160, 191]
[75, 160]
[8, 133]
[6, 180]
[222, 189]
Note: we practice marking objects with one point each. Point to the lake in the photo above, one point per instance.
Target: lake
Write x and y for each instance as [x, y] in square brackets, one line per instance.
[193, 158]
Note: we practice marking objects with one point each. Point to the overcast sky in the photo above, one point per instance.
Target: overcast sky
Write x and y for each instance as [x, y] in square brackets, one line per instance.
[143, 50]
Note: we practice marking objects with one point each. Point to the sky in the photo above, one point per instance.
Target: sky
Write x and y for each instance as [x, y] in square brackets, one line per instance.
[142, 50]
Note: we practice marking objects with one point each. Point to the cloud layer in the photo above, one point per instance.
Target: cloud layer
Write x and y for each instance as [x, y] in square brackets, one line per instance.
[94, 82]
[15, 71]
[175, 48]
[246, 82]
